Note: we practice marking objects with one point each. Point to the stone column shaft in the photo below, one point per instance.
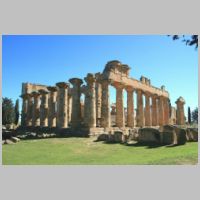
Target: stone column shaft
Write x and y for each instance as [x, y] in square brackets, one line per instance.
[52, 107]
[147, 110]
[24, 109]
[90, 79]
[161, 111]
[140, 110]
[29, 110]
[130, 108]
[105, 106]
[166, 111]
[154, 111]
[76, 104]
[69, 108]
[36, 109]
[180, 111]
[44, 108]
[119, 106]
[62, 105]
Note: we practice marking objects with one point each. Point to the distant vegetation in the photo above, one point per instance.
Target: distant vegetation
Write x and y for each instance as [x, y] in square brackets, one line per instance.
[10, 113]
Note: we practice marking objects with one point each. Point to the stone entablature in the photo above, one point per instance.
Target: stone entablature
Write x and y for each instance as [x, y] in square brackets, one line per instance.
[61, 105]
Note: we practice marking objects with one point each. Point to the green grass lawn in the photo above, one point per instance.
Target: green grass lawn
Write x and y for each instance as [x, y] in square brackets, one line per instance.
[59, 151]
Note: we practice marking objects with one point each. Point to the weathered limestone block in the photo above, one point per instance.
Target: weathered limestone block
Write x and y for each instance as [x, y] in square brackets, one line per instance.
[192, 134]
[140, 109]
[120, 121]
[76, 105]
[52, 106]
[180, 111]
[105, 107]
[172, 135]
[130, 107]
[148, 135]
[62, 105]
[36, 109]
[44, 108]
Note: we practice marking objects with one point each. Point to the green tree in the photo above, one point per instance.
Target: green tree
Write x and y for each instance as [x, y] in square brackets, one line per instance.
[195, 115]
[191, 40]
[8, 114]
[16, 111]
[189, 115]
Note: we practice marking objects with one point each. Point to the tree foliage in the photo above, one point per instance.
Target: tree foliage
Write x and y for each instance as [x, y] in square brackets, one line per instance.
[16, 111]
[195, 115]
[189, 115]
[8, 112]
[191, 40]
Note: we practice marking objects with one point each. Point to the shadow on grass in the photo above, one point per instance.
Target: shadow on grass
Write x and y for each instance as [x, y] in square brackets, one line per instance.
[141, 144]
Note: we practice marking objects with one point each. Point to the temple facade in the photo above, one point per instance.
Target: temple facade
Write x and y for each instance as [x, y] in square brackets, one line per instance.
[60, 106]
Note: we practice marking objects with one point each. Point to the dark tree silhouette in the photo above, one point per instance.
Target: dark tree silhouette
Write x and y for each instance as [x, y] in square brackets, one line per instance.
[191, 40]
[8, 114]
[16, 111]
[189, 115]
[195, 115]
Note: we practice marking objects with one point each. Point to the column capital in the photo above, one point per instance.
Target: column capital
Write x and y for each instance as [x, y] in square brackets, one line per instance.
[76, 81]
[180, 100]
[118, 85]
[62, 85]
[154, 96]
[24, 96]
[147, 93]
[35, 94]
[90, 78]
[42, 91]
[129, 88]
[52, 88]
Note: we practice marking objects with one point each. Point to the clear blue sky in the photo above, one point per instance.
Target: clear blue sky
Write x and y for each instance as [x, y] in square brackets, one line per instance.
[50, 59]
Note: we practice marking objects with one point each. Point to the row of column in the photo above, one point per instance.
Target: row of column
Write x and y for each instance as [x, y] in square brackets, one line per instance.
[158, 115]
[55, 109]
[46, 108]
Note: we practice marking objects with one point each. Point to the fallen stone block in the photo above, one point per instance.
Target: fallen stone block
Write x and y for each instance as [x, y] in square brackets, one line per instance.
[15, 139]
[148, 135]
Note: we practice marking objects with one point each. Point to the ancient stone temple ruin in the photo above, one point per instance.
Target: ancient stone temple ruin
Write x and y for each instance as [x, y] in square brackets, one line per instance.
[60, 106]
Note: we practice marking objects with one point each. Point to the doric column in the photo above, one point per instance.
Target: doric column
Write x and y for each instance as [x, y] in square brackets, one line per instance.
[44, 108]
[180, 111]
[52, 106]
[90, 80]
[24, 109]
[105, 104]
[29, 110]
[130, 107]
[166, 111]
[147, 110]
[36, 109]
[98, 96]
[140, 110]
[119, 105]
[86, 105]
[62, 105]
[69, 108]
[76, 104]
[161, 110]
[154, 115]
